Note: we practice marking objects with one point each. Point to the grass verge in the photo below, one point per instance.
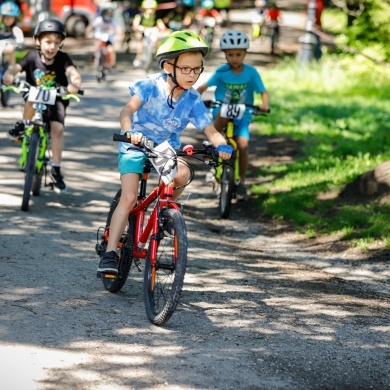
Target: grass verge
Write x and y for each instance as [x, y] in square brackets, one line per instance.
[339, 112]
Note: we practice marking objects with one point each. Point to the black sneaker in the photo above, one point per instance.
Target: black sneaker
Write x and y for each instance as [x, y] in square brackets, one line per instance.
[109, 263]
[17, 133]
[58, 179]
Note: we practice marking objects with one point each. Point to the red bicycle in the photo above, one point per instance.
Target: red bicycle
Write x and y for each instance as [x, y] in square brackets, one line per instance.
[164, 229]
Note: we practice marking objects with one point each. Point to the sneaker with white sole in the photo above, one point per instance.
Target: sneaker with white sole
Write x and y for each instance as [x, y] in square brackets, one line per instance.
[109, 263]
[58, 179]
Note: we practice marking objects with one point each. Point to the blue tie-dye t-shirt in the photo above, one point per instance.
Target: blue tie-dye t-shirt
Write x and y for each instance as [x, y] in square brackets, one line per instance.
[156, 120]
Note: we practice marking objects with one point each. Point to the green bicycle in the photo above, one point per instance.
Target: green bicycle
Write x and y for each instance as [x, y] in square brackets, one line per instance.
[227, 176]
[36, 139]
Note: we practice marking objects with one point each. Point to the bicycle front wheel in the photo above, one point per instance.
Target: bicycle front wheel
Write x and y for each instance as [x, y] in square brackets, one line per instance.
[30, 169]
[227, 190]
[113, 283]
[163, 281]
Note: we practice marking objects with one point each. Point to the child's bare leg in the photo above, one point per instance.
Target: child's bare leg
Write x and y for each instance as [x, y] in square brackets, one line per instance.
[127, 201]
[57, 141]
[243, 156]
[181, 179]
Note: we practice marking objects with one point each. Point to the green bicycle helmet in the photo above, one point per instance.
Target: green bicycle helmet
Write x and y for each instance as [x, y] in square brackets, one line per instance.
[177, 43]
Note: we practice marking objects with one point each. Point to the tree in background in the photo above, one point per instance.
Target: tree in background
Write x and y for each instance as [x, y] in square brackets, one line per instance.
[367, 25]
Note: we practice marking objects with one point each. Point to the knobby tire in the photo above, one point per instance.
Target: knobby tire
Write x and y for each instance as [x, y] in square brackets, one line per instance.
[30, 169]
[227, 189]
[125, 251]
[162, 292]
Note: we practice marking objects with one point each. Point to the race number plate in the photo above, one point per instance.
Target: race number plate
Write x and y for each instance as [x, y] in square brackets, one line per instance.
[232, 111]
[45, 96]
[166, 163]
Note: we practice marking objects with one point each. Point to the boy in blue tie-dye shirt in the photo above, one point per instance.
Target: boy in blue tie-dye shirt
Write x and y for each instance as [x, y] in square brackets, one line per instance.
[160, 108]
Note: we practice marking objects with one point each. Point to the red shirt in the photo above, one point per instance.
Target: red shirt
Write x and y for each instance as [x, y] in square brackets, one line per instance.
[273, 13]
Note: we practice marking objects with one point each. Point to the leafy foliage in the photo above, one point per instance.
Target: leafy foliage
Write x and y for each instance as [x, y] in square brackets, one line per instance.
[338, 111]
[368, 26]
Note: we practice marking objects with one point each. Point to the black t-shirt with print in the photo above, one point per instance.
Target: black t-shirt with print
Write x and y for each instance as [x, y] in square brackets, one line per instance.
[37, 72]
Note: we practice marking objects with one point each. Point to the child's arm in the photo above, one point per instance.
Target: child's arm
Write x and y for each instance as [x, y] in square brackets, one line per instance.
[216, 139]
[202, 88]
[125, 118]
[264, 106]
[74, 78]
[10, 74]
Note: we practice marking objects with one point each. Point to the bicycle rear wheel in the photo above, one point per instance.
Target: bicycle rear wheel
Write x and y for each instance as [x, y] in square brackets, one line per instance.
[30, 169]
[227, 189]
[113, 283]
[163, 281]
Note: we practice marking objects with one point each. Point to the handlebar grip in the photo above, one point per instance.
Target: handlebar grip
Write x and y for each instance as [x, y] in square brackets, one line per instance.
[144, 143]
[120, 138]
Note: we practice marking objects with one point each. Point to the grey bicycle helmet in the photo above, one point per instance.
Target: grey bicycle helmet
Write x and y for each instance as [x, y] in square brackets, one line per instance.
[50, 26]
[234, 39]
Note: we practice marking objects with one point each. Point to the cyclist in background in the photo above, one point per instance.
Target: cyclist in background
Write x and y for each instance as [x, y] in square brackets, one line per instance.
[160, 108]
[179, 18]
[237, 83]
[105, 30]
[208, 18]
[207, 9]
[130, 11]
[145, 19]
[9, 12]
[273, 15]
[223, 6]
[258, 17]
[48, 65]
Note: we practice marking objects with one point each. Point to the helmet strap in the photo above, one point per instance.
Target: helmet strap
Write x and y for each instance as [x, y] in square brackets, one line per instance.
[176, 86]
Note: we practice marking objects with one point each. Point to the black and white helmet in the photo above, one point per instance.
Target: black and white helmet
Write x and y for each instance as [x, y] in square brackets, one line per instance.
[234, 39]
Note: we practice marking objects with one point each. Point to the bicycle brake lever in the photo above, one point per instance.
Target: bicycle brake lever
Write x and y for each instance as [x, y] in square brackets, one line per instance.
[146, 143]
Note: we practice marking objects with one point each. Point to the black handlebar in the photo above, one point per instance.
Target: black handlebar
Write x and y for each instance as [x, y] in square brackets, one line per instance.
[145, 142]
[188, 150]
[61, 90]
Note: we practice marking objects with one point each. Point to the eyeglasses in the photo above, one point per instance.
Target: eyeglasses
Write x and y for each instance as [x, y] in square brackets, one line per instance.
[188, 70]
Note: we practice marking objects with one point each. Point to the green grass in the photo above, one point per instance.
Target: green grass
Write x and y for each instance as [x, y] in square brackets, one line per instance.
[339, 112]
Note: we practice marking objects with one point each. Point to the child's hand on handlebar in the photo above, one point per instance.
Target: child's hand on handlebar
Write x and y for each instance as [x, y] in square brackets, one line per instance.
[135, 138]
[72, 88]
[224, 151]
[8, 78]
[264, 108]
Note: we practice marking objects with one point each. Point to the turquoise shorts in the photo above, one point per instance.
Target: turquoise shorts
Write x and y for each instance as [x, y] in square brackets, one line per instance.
[131, 162]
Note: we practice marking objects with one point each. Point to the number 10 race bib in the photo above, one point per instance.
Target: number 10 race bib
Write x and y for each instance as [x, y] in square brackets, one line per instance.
[45, 96]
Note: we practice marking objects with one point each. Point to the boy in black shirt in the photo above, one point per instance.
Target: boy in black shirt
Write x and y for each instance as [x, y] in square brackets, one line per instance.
[48, 61]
